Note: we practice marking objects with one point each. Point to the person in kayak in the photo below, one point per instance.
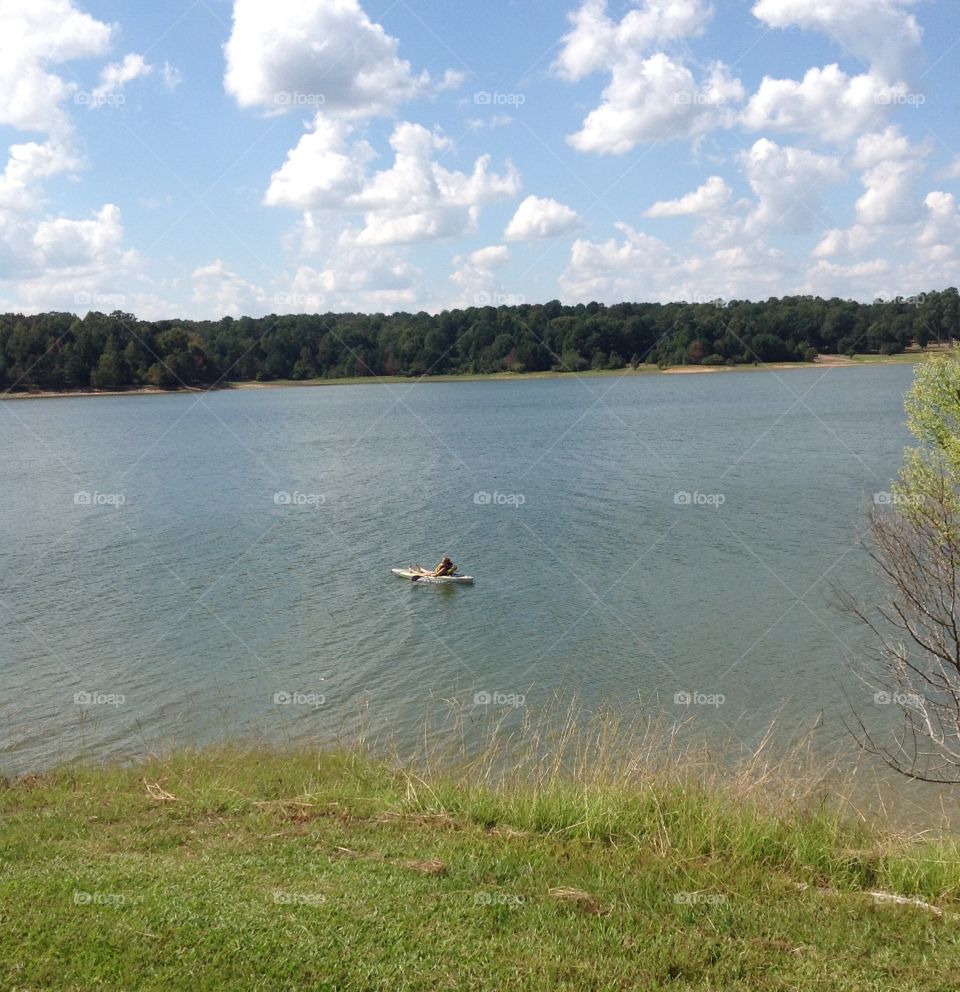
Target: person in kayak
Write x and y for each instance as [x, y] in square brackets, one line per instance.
[444, 567]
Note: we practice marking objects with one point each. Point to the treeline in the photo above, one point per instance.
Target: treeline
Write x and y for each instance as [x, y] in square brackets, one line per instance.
[115, 351]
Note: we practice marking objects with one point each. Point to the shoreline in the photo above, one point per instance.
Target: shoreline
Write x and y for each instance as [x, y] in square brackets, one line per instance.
[823, 362]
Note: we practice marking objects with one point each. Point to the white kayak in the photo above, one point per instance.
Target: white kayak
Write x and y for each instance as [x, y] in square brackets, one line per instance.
[426, 578]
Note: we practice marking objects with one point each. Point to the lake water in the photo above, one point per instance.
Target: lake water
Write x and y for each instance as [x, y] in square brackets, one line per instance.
[184, 597]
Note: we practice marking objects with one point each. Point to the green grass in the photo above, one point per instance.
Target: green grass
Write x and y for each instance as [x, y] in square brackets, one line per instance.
[256, 869]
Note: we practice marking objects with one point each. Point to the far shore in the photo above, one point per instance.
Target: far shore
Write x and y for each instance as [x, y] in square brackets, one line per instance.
[822, 362]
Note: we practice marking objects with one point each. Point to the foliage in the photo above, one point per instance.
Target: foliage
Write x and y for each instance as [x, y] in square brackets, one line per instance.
[116, 351]
[915, 548]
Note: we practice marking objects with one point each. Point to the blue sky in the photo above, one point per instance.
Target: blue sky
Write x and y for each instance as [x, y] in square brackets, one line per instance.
[207, 158]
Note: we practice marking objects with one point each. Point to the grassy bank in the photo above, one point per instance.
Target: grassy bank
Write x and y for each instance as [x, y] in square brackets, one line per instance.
[255, 869]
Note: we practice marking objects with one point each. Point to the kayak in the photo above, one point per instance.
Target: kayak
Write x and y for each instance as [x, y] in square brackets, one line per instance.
[426, 578]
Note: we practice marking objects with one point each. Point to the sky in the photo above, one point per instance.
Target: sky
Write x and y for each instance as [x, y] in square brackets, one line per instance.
[204, 158]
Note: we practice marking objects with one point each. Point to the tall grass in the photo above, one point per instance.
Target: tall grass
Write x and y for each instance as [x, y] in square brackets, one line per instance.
[609, 777]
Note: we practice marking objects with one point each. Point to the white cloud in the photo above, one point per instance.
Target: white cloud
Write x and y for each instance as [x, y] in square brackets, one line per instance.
[52, 260]
[789, 184]
[596, 40]
[322, 170]
[611, 269]
[854, 241]
[654, 99]
[358, 278]
[891, 168]
[940, 233]
[219, 292]
[64, 243]
[708, 198]
[417, 199]
[540, 217]
[171, 76]
[36, 35]
[490, 257]
[828, 104]
[116, 75]
[650, 97]
[28, 163]
[291, 54]
[640, 267]
[882, 33]
[476, 277]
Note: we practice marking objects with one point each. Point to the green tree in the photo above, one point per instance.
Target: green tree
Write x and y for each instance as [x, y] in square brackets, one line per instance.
[915, 629]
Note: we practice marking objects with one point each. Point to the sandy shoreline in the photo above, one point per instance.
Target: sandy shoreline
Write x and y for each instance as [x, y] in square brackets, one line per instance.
[822, 362]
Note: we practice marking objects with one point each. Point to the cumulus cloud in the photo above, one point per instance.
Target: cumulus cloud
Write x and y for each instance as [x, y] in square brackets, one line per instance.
[657, 98]
[651, 95]
[626, 269]
[827, 104]
[37, 35]
[940, 233]
[540, 217]
[713, 195]
[638, 266]
[418, 199]
[891, 168]
[414, 199]
[322, 170]
[882, 33]
[595, 39]
[28, 163]
[64, 243]
[476, 277]
[116, 75]
[219, 291]
[47, 259]
[358, 278]
[290, 54]
[789, 184]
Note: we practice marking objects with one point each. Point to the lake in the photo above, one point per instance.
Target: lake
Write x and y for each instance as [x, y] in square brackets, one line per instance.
[182, 568]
